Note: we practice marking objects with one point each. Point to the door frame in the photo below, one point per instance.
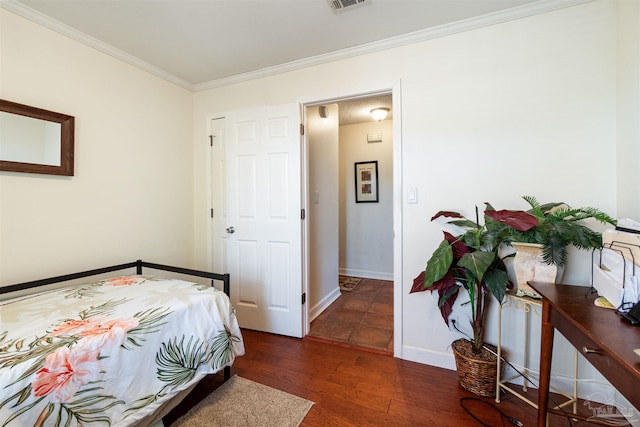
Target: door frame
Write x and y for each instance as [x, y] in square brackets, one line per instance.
[395, 91]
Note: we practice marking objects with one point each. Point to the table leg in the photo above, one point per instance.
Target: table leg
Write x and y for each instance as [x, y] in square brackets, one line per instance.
[499, 367]
[546, 351]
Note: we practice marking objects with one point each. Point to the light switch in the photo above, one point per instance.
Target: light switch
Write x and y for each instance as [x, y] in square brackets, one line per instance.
[412, 195]
[316, 197]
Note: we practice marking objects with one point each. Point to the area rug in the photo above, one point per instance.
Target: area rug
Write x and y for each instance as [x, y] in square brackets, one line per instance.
[242, 402]
[347, 283]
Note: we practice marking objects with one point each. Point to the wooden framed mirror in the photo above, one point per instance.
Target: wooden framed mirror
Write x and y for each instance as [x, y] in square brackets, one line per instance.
[34, 140]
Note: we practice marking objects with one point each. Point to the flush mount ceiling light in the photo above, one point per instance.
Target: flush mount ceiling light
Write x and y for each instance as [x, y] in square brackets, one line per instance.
[380, 113]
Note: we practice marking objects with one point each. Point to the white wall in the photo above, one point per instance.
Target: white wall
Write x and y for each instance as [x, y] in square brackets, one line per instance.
[132, 193]
[322, 218]
[366, 229]
[628, 104]
[526, 107]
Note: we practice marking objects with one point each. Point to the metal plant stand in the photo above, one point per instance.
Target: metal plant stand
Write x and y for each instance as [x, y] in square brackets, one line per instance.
[527, 305]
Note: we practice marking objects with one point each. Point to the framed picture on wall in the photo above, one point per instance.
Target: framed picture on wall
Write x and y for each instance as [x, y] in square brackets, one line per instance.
[366, 182]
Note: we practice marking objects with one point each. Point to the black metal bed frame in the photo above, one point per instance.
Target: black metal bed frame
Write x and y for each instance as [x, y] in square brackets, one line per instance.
[139, 265]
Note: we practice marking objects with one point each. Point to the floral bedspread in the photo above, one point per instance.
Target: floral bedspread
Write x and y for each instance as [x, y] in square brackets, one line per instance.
[110, 352]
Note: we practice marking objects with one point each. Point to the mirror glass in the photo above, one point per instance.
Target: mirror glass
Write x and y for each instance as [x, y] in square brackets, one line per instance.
[28, 140]
[35, 140]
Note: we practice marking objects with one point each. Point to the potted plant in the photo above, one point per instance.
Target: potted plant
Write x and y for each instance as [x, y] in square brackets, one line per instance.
[542, 250]
[559, 226]
[470, 261]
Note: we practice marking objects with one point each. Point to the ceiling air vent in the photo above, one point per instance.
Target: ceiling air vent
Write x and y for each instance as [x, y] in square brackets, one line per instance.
[342, 5]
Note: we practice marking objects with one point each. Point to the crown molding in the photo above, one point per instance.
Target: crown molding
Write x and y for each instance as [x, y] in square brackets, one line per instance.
[394, 42]
[48, 22]
[518, 12]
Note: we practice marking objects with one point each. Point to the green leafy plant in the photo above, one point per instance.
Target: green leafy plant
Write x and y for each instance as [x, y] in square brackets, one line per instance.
[470, 261]
[560, 226]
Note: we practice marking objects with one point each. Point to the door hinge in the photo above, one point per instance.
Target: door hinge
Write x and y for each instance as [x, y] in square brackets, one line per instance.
[304, 298]
[301, 129]
[211, 140]
[302, 214]
[211, 212]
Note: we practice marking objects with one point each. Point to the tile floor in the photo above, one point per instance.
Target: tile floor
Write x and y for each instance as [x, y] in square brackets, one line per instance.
[362, 317]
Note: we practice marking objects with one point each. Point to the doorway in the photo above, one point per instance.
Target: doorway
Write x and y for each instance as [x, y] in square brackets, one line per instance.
[350, 222]
[313, 302]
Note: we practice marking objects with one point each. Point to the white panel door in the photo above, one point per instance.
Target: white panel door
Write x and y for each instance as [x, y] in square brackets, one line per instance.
[264, 240]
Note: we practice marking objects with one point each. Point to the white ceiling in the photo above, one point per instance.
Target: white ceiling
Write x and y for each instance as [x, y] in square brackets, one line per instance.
[199, 41]
[358, 110]
[206, 43]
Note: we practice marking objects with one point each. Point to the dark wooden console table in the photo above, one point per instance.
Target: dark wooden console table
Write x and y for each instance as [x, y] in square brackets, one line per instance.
[602, 337]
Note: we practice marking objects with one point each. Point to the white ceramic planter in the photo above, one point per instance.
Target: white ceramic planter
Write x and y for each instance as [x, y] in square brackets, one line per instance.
[528, 266]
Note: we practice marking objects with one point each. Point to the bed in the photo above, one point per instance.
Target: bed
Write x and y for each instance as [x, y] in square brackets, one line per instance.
[120, 350]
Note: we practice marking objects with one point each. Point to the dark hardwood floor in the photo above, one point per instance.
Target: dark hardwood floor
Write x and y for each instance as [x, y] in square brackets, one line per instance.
[351, 386]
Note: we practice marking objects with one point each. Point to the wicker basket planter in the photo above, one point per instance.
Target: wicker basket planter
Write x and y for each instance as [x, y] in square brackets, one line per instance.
[477, 374]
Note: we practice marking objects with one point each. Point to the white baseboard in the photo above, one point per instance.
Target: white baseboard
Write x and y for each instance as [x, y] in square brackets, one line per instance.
[378, 275]
[429, 357]
[323, 304]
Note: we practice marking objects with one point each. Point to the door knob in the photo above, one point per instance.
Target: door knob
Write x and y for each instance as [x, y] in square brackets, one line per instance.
[231, 230]
[587, 350]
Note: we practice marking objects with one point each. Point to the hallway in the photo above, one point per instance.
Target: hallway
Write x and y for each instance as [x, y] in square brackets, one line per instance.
[362, 317]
